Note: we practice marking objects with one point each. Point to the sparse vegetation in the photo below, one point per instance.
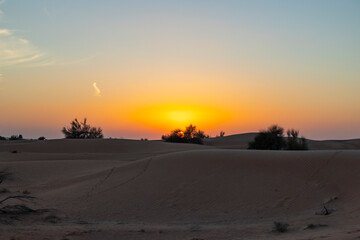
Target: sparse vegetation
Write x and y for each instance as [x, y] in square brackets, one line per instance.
[26, 192]
[273, 139]
[281, 226]
[313, 226]
[324, 211]
[82, 130]
[42, 138]
[143, 139]
[294, 142]
[2, 138]
[16, 137]
[190, 135]
[52, 219]
[13, 209]
[222, 133]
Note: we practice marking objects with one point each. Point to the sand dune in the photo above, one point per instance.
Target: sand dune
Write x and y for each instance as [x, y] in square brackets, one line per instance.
[240, 141]
[334, 144]
[123, 189]
[94, 146]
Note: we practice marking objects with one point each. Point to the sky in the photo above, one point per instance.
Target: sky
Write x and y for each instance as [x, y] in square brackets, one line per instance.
[141, 68]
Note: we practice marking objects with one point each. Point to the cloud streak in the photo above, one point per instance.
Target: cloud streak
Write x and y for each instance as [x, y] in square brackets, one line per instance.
[97, 91]
[5, 32]
[15, 50]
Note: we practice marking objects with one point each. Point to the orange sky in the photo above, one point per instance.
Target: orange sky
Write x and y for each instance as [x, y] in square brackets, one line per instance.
[140, 70]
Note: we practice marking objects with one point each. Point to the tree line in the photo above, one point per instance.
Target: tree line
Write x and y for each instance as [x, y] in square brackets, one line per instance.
[271, 139]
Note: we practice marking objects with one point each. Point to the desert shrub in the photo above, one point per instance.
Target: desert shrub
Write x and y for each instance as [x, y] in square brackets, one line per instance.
[82, 130]
[2, 138]
[176, 135]
[12, 205]
[144, 139]
[190, 135]
[26, 192]
[42, 138]
[16, 137]
[271, 139]
[281, 226]
[222, 133]
[293, 141]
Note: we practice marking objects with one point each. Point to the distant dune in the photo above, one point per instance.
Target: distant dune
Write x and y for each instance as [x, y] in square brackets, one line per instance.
[240, 141]
[128, 189]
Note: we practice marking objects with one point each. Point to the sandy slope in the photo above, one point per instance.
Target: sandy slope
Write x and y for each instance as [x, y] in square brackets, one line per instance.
[240, 141]
[122, 189]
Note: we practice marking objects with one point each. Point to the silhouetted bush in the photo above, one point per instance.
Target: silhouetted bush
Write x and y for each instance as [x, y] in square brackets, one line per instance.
[222, 133]
[16, 137]
[82, 130]
[2, 138]
[271, 139]
[176, 135]
[294, 142]
[42, 138]
[190, 135]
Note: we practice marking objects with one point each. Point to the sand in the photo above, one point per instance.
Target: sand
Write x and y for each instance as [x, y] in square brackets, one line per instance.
[127, 189]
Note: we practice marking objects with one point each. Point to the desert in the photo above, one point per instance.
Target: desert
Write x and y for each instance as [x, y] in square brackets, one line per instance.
[179, 120]
[130, 189]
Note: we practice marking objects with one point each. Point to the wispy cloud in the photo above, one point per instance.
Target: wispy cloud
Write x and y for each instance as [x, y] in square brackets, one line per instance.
[16, 50]
[97, 91]
[5, 32]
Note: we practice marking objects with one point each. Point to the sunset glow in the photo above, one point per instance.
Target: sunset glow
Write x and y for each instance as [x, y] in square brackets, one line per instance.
[169, 117]
[140, 69]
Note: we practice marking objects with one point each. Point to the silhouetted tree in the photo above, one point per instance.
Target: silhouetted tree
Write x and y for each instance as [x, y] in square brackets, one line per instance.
[190, 131]
[16, 137]
[294, 142]
[42, 138]
[190, 135]
[2, 138]
[271, 139]
[82, 130]
[222, 133]
[176, 135]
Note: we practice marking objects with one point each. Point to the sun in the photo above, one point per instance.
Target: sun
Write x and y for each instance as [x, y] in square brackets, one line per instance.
[173, 116]
[181, 116]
